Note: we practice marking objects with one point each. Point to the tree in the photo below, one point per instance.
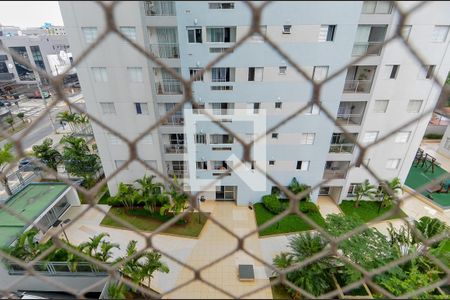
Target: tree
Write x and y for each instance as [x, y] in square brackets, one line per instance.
[430, 227]
[315, 277]
[296, 188]
[6, 157]
[152, 263]
[26, 248]
[365, 189]
[151, 192]
[68, 117]
[98, 248]
[47, 154]
[116, 291]
[177, 201]
[128, 196]
[78, 159]
[387, 198]
[10, 121]
[21, 116]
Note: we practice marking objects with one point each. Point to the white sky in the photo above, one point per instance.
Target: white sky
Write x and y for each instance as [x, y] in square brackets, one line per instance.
[29, 13]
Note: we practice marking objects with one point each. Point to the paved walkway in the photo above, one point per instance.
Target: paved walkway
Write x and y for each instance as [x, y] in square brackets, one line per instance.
[215, 243]
[327, 206]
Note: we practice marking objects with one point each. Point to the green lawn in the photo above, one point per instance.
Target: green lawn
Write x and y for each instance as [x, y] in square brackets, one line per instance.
[290, 223]
[101, 194]
[145, 221]
[367, 210]
[418, 178]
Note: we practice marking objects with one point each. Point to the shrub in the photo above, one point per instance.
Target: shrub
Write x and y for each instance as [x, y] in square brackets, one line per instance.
[273, 204]
[308, 207]
[115, 202]
[433, 136]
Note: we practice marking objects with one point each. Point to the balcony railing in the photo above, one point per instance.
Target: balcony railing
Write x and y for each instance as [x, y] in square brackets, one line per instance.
[58, 269]
[178, 174]
[168, 88]
[342, 148]
[6, 76]
[167, 50]
[357, 86]
[174, 120]
[334, 174]
[174, 149]
[159, 8]
[349, 119]
[367, 48]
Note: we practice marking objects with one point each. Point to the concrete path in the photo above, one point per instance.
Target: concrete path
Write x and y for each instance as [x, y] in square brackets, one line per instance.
[327, 206]
[89, 225]
[214, 243]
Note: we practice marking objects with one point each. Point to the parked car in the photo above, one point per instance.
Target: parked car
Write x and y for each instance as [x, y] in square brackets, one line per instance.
[28, 165]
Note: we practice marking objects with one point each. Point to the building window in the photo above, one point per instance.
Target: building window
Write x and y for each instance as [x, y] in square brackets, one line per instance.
[278, 104]
[370, 137]
[393, 163]
[114, 139]
[108, 108]
[221, 139]
[202, 165]
[307, 138]
[135, 74]
[313, 110]
[406, 31]
[380, 106]
[302, 165]
[320, 73]
[426, 72]
[200, 138]
[274, 135]
[221, 75]
[271, 163]
[89, 33]
[194, 71]
[221, 5]
[100, 74]
[120, 163]
[391, 71]
[255, 74]
[256, 107]
[440, 33]
[352, 189]
[282, 70]
[402, 137]
[326, 33]
[37, 57]
[221, 34]
[195, 35]
[414, 106]
[129, 32]
[141, 108]
[287, 29]
[377, 7]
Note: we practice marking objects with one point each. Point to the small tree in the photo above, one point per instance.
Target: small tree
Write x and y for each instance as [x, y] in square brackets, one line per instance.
[10, 121]
[6, 157]
[178, 200]
[151, 192]
[387, 198]
[365, 189]
[21, 116]
[296, 188]
[128, 196]
[47, 154]
[116, 291]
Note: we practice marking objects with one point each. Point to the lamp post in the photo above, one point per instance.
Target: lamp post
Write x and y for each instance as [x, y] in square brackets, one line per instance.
[60, 223]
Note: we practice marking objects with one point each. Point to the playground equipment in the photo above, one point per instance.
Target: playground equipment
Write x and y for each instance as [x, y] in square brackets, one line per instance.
[439, 188]
[424, 160]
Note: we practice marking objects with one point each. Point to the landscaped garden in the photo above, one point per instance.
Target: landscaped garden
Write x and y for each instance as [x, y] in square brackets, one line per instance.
[370, 250]
[148, 205]
[367, 210]
[273, 205]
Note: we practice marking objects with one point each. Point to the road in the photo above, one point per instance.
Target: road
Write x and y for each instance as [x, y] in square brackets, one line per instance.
[33, 109]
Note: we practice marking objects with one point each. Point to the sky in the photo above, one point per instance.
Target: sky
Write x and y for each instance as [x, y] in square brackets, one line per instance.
[29, 13]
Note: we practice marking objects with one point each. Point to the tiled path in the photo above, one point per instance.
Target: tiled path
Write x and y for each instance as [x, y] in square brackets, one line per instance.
[327, 206]
[215, 243]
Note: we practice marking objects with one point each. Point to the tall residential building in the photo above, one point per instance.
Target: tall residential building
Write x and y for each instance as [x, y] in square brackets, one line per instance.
[372, 97]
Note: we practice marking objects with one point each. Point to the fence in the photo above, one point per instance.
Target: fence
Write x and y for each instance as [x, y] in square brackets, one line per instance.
[185, 85]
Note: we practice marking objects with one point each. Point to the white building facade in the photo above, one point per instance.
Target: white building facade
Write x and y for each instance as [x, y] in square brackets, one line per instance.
[255, 85]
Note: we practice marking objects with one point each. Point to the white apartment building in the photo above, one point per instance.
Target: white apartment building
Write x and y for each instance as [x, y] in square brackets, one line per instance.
[374, 96]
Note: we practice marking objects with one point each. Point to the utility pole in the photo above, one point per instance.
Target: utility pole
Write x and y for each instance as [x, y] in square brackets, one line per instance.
[39, 85]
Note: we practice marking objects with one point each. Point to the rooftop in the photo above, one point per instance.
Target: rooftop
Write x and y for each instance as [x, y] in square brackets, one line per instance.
[29, 203]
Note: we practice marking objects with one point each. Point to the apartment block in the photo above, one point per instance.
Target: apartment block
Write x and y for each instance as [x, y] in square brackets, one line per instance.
[372, 96]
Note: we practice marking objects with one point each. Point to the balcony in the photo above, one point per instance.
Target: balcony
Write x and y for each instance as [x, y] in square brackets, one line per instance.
[340, 143]
[177, 174]
[174, 149]
[168, 88]
[174, 120]
[342, 148]
[159, 8]
[350, 112]
[336, 169]
[349, 119]
[366, 48]
[357, 86]
[6, 76]
[359, 79]
[167, 50]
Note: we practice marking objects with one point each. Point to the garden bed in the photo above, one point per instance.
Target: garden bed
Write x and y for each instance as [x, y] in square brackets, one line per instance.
[290, 223]
[367, 210]
[146, 221]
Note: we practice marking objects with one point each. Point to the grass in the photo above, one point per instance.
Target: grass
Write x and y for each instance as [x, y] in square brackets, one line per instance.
[104, 199]
[279, 291]
[290, 223]
[146, 221]
[103, 191]
[418, 178]
[367, 210]
[18, 126]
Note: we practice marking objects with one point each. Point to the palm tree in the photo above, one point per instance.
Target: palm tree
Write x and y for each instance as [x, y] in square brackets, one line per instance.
[150, 191]
[430, 227]
[26, 248]
[67, 117]
[315, 277]
[47, 154]
[128, 196]
[6, 157]
[395, 186]
[98, 248]
[365, 189]
[177, 201]
[116, 291]
[151, 265]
